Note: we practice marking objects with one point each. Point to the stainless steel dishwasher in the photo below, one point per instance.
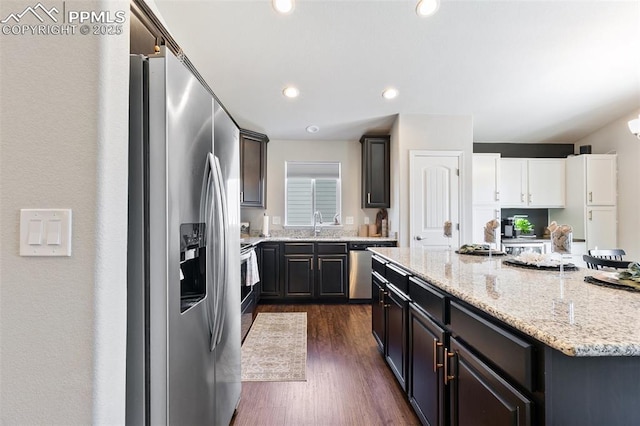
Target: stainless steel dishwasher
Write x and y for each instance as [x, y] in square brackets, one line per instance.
[360, 268]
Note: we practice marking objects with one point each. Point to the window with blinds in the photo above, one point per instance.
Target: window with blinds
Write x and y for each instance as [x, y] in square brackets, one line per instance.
[311, 187]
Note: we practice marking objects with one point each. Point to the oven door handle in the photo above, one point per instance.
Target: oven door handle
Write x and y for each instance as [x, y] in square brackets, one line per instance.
[245, 256]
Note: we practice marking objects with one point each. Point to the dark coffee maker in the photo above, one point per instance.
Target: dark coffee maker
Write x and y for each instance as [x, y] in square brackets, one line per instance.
[507, 228]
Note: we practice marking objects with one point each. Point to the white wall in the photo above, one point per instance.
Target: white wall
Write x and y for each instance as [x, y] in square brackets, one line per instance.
[348, 153]
[616, 137]
[63, 141]
[428, 132]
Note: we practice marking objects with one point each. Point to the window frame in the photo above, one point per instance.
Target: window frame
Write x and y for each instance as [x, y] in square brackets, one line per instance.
[326, 222]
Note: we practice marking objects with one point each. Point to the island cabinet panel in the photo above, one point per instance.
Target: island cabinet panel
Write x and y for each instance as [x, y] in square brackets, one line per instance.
[270, 279]
[426, 389]
[396, 332]
[479, 396]
[431, 300]
[508, 352]
[378, 310]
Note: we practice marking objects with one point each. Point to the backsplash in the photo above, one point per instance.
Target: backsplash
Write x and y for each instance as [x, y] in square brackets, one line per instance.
[538, 217]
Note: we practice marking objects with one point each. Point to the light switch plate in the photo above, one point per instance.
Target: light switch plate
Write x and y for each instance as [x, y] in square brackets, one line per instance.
[45, 232]
[366, 220]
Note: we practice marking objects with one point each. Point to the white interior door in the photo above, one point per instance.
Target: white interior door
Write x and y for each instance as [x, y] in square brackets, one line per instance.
[435, 198]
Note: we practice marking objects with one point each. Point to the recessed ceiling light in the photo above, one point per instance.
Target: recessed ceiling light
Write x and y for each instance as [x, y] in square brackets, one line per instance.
[291, 92]
[313, 128]
[427, 7]
[283, 6]
[390, 93]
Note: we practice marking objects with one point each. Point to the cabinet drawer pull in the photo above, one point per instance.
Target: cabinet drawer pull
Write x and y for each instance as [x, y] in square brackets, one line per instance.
[242, 196]
[368, 198]
[521, 197]
[590, 196]
[497, 195]
[447, 377]
[436, 364]
[590, 214]
[381, 296]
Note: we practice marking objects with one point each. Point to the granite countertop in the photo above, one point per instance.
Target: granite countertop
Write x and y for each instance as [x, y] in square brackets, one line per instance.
[570, 315]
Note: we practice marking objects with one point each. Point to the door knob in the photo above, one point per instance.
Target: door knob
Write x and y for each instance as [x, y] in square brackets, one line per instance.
[418, 237]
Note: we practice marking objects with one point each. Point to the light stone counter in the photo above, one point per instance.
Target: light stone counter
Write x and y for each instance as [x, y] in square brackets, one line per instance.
[570, 315]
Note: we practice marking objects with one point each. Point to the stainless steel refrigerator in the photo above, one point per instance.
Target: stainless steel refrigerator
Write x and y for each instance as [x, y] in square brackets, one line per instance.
[183, 320]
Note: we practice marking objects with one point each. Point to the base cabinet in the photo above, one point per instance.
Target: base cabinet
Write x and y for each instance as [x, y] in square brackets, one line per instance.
[457, 365]
[479, 396]
[426, 388]
[378, 317]
[270, 279]
[396, 350]
[304, 271]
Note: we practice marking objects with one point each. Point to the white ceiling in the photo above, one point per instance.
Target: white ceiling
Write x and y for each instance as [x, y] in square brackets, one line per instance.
[527, 71]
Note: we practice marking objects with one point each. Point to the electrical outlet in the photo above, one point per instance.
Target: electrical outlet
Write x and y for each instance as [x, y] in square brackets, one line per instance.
[349, 220]
[276, 220]
[366, 220]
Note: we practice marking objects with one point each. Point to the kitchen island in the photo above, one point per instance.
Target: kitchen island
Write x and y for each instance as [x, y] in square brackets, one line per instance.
[568, 352]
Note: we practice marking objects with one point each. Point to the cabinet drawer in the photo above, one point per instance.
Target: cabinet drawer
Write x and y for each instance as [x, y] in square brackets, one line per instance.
[298, 248]
[397, 277]
[508, 352]
[332, 248]
[429, 299]
[377, 264]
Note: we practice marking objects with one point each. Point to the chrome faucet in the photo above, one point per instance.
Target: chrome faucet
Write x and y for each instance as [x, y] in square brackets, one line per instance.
[317, 219]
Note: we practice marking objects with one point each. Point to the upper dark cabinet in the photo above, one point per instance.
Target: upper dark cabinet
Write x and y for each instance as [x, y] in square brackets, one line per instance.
[375, 171]
[253, 169]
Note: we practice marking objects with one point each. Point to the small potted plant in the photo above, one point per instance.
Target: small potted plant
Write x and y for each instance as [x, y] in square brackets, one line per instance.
[523, 226]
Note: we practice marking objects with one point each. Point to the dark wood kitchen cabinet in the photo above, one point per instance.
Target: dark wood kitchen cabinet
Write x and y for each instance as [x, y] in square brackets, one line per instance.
[480, 396]
[458, 365]
[253, 169]
[378, 317]
[298, 270]
[397, 306]
[426, 390]
[270, 279]
[332, 271]
[376, 171]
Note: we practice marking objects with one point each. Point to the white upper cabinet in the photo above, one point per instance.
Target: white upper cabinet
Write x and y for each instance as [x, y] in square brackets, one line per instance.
[486, 179]
[532, 182]
[601, 180]
[546, 182]
[513, 182]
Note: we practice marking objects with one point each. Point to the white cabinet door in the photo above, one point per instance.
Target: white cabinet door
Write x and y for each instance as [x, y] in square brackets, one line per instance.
[481, 215]
[601, 180]
[601, 227]
[486, 178]
[546, 182]
[513, 182]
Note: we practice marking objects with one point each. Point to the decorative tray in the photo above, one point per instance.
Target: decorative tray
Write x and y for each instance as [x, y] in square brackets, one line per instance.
[483, 252]
[539, 267]
[608, 279]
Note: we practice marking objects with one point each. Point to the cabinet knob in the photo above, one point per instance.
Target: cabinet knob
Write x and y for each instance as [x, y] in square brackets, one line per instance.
[418, 237]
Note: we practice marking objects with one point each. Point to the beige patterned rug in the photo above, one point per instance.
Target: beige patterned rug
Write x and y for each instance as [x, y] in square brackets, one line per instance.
[275, 350]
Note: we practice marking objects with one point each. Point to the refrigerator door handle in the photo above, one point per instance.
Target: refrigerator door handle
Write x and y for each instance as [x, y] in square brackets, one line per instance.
[223, 275]
[206, 217]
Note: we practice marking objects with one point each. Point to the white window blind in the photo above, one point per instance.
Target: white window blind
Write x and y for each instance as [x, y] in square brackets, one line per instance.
[310, 187]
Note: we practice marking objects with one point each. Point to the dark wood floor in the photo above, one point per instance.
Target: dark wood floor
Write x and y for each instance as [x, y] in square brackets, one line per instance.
[348, 382]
